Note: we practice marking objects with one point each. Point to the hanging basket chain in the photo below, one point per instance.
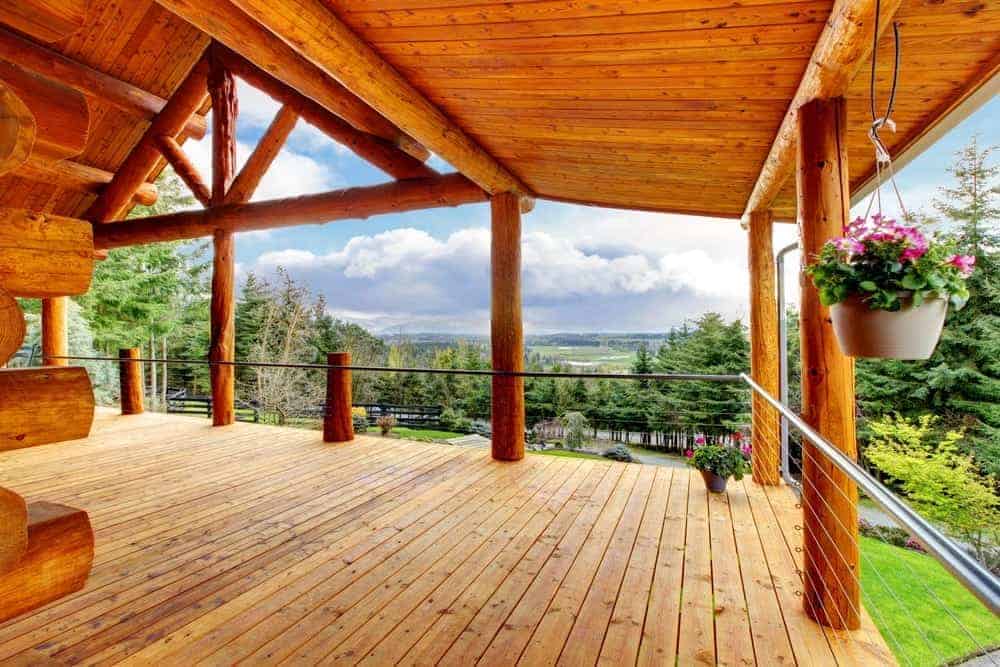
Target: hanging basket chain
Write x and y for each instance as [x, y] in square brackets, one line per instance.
[882, 154]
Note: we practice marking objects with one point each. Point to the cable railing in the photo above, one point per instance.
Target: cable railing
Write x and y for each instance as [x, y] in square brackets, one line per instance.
[882, 564]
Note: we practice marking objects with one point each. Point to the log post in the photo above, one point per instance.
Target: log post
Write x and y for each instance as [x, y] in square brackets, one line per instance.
[222, 88]
[337, 423]
[130, 380]
[832, 593]
[55, 338]
[764, 348]
[506, 332]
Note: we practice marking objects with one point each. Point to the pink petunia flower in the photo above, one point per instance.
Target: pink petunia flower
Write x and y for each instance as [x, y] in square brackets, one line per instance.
[699, 439]
[964, 263]
[689, 453]
[746, 449]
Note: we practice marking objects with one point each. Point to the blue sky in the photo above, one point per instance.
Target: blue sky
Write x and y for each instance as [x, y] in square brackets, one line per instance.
[585, 269]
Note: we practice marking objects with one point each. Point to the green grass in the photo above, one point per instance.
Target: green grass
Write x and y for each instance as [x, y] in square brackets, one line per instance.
[909, 611]
[566, 453]
[420, 433]
[592, 357]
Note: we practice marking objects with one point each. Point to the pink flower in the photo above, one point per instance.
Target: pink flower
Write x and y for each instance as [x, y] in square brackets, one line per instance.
[689, 453]
[699, 439]
[964, 263]
[916, 243]
[849, 245]
[746, 449]
[737, 436]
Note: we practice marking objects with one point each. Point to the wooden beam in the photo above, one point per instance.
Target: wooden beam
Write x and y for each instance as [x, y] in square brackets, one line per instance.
[47, 20]
[29, 397]
[183, 167]
[222, 346]
[62, 117]
[506, 331]
[383, 154]
[43, 255]
[56, 562]
[13, 528]
[239, 32]
[352, 203]
[55, 333]
[268, 147]
[17, 131]
[842, 48]
[12, 329]
[318, 35]
[138, 166]
[121, 94]
[829, 497]
[766, 430]
[79, 177]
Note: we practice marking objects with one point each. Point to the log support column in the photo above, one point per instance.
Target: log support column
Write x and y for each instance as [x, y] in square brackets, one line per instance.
[506, 331]
[766, 432]
[222, 89]
[832, 592]
[55, 337]
[130, 381]
[337, 423]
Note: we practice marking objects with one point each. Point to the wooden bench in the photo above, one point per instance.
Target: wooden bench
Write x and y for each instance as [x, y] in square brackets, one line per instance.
[46, 551]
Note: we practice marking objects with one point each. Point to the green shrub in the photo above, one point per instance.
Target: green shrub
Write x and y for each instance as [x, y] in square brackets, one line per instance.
[619, 453]
[575, 425]
[454, 420]
[722, 460]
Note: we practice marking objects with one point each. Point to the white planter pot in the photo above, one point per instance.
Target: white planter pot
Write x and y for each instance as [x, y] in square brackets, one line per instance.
[908, 333]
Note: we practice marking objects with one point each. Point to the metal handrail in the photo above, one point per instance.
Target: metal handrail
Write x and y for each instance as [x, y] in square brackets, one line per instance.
[976, 578]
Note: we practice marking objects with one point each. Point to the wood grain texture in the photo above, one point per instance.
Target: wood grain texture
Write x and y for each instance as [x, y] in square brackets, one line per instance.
[43, 405]
[184, 168]
[268, 146]
[319, 35]
[381, 153]
[17, 130]
[131, 385]
[337, 419]
[429, 554]
[78, 177]
[832, 587]
[52, 64]
[227, 24]
[13, 529]
[12, 326]
[351, 203]
[56, 563]
[222, 345]
[765, 435]
[44, 255]
[506, 328]
[47, 20]
[843, 47]
[55, 330]
[142, 160]
[62, 115]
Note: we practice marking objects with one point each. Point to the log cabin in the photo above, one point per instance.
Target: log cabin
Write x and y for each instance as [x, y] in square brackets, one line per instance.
[181, 542]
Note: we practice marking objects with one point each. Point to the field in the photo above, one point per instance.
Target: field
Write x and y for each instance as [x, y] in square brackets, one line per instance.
[904, 592]
[585, 357]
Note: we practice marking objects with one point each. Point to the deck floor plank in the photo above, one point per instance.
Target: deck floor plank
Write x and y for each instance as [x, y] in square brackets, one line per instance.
[261, 544]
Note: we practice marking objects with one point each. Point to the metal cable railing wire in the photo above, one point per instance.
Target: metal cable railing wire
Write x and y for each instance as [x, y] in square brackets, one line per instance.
[982, 584]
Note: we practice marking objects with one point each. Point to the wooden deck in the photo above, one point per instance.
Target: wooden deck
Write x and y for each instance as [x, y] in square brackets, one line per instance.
[262, 545]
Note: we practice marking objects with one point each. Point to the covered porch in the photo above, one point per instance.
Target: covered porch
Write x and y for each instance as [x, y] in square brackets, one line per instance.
[263, 544]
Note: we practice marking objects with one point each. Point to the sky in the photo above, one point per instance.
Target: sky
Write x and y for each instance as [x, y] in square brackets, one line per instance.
[584, 269]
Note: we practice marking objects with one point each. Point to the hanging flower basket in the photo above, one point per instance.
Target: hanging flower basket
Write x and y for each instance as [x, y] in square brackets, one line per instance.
[888, 287]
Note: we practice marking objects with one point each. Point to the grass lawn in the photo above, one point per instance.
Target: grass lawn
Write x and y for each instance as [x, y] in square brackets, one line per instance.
[420, 433]
[910, 611]
[566, 453]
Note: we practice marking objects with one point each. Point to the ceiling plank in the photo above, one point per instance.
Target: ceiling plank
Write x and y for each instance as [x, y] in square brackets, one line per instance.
[230, 26]
[842, 48]
[316, 33]
[69, 72]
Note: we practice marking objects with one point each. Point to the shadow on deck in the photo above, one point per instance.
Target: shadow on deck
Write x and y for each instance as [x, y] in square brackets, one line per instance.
[262, 544]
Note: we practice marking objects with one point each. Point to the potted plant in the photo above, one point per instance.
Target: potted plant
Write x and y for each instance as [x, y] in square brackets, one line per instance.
[888, 287]
[717, 463]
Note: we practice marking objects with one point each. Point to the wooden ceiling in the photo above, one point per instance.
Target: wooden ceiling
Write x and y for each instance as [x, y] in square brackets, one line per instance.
[667, 105]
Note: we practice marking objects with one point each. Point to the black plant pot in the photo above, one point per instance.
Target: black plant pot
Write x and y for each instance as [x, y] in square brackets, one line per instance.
[713, 482]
